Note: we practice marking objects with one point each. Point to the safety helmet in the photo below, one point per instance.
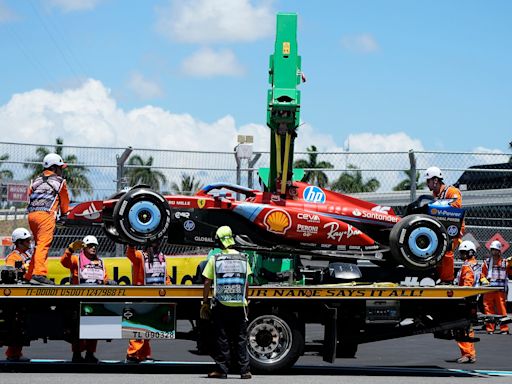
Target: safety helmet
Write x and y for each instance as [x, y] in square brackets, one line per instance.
[20, 234]
[467, 246]
[53, 159]
[433, 172]
[495, 245]
[90, 239]
[225, 236]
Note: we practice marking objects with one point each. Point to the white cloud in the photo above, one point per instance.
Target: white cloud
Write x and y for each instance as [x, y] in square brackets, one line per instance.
[73, 5]
[144, 88]
[6, 14]
[212, 21]
[208, 63]
[371, 142]
[363, 43]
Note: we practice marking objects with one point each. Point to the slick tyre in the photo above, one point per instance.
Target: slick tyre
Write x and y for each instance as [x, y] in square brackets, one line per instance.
[418, 242]
[275, 342]
[142, 216]
[107, 218]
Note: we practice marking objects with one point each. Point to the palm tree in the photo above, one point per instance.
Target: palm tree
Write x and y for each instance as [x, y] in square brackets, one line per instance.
[5, 173]
[314, 176]
[352, 182]
[405, 184]
[141, 172]
[76, 177]
[188, 185]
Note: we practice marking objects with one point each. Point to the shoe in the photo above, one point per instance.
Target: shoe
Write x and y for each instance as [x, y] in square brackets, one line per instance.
[18, 359]
[466, 360]
[90, 358]
[41, 280]
[504, 333]
[217, 375]
[131, 360]
[490, 333]
[246, 375]
[77, 358]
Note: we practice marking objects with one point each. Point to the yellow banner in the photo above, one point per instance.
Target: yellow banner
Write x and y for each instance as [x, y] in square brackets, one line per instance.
[181, 269]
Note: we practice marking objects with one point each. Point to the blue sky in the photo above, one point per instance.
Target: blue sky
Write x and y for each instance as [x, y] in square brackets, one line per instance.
[382, 75]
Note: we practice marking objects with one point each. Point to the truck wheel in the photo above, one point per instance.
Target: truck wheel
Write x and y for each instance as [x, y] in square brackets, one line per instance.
[275, 342]
[418, 242]
[142, 216]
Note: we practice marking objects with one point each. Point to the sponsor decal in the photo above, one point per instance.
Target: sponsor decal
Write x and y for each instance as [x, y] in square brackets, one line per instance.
[380, 216]
[371, 247]
[307, 230]
[277, 221]
[445, 213]
[203, 239]
[275, 198]
[381, 209]
[308, 217]
[452, 230]
[341, 247]
[313, 194]
[201, 203]
[180, 202]
[334, 233]
[90, 213]
[189, 225]
[180, 215]
[356, 212]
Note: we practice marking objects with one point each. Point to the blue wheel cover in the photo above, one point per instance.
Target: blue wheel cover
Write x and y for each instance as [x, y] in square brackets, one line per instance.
[432, 246]
[137, 209]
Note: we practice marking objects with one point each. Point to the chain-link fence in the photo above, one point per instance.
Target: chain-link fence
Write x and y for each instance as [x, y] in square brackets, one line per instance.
[386, 178]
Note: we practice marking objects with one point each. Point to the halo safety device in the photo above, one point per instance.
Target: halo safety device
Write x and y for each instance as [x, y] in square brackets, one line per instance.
[53, 159]
[225, 236]
[495, 245]
[433, 172]
[20, 234]
[90, 239]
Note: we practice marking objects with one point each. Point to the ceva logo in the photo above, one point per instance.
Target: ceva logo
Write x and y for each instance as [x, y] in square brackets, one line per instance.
[314, 194]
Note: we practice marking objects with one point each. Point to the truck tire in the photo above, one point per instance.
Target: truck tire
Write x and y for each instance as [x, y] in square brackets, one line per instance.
[275, 342]
[418, 242]
[142, 216]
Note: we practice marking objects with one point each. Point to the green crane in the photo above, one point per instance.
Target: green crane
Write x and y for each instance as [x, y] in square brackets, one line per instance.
[283, 102]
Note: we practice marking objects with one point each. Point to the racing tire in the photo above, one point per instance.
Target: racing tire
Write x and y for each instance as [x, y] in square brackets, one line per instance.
[275, 342]
[418, 242]
[107, 218]
[141, 216]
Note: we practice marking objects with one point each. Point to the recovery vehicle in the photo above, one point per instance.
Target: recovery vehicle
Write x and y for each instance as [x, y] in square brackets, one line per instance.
[286, 221]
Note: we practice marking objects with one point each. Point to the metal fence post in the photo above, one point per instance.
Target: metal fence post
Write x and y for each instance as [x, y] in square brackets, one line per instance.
[120, 160]
[250, 172]
[412, 175]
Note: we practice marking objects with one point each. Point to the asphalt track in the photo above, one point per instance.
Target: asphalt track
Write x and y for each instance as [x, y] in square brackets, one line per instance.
[409, 359]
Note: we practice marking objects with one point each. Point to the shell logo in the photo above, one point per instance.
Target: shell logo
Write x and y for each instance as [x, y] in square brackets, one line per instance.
[277, 221]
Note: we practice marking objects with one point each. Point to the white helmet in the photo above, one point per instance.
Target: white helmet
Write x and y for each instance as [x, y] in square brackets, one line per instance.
[53, 159]
[433, 172]
[90, 239]
[468, 246]
[20, 234]
[495, 245]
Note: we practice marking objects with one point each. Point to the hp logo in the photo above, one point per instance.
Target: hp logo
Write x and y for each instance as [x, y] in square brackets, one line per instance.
[189, 225]
[314, 194]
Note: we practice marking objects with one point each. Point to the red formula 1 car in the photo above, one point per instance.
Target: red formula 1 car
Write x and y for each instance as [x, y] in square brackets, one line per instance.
[313, 221]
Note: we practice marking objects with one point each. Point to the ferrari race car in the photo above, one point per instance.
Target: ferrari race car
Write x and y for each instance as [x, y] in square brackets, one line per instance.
[315, 222]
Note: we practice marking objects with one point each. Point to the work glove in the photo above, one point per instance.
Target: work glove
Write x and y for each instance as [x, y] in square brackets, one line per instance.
[484, 281]
[205, 311]
[76, 245]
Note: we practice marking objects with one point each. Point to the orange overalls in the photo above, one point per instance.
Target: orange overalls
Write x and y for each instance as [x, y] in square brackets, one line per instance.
[445, 268]
[70, 261]
[139, 349]
[48, 195]
[468, 276]
[15, 351]
[495, 303]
